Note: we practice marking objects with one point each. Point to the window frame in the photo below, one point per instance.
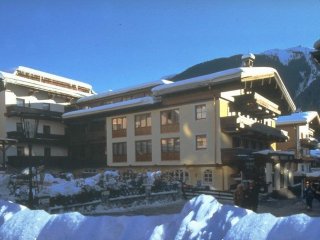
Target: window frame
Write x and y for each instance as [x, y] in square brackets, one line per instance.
[145, 150]
[202, 113]
[117, 155]
[207, 175]
[200, 139]
[170, 148]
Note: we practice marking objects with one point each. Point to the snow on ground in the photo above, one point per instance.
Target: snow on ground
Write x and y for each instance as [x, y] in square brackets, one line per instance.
[202, 217]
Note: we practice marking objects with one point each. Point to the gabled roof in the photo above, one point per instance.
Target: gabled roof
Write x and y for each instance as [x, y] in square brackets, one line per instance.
[242, 74]
[245, 74]
[298, 118]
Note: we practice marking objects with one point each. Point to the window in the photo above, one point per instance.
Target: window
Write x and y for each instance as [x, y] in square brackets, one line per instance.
[119, 123]
[20, 102]
[201, 142]
[46, 106]
[143, 120]
[207, 176]
[170, 117]
[119, 127]
[180, 175]
[170, 149]
[201, 112]
[19, 127]
[46, 130]
[170, 121]
[143, 150]
[143, 124]
[20, 151]
[119, 152]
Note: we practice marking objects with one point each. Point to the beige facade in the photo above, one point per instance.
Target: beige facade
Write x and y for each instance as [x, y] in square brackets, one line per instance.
[192, 160]
[201, 130]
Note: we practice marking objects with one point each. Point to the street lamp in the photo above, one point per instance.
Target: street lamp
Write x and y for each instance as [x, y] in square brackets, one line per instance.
[30, 128]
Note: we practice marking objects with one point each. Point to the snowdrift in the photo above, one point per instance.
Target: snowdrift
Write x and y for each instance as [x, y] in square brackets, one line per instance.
[202, 217]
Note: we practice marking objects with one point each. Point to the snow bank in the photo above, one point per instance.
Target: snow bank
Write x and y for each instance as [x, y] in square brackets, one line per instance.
[201, 218]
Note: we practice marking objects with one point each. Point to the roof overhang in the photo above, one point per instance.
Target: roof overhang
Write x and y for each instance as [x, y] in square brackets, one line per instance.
[244, 75]
[17, 80]
[137, 102]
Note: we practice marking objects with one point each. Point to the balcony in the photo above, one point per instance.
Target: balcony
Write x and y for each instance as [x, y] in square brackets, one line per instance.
[18, 111]
[142, 131]
[40, 138]
[243, 126]
[170, 156]
[119, 158]
[310, 143]
[232, 156]
[119, 133]
[255, 105]
[170, 128]
[23, 161]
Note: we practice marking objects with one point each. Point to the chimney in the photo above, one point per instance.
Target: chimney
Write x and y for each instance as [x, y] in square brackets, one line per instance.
[247, 60]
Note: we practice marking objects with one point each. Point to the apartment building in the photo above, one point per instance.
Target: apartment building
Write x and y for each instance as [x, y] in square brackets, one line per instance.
[29, 95]
[303, 130]
[201, 130]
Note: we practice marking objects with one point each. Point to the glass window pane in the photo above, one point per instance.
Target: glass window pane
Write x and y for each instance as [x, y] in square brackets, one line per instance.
[177, 145]
[124, 123]
[170, 144]
[149, 120]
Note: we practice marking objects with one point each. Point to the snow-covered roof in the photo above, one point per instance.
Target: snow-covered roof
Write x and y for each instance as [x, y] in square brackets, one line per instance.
[51, 76]
[298, 118]
[273, 152]
[123, 90]
[249, 55]
[243, 73]
[110, 107]
[25, 82]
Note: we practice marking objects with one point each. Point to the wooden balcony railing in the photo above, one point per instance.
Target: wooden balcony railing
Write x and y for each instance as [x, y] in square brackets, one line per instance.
[40, 137]
[245, 126]
[169, 128]
[143, 131]
[23, 161]
[119, 133]
[18, 111]
[119, 158]
[144, 157]
[170, 156]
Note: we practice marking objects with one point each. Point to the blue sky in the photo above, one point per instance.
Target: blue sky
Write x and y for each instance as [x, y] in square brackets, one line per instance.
[113, 44]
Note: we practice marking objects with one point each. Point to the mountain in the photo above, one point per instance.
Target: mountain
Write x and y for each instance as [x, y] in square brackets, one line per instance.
[299, 72]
